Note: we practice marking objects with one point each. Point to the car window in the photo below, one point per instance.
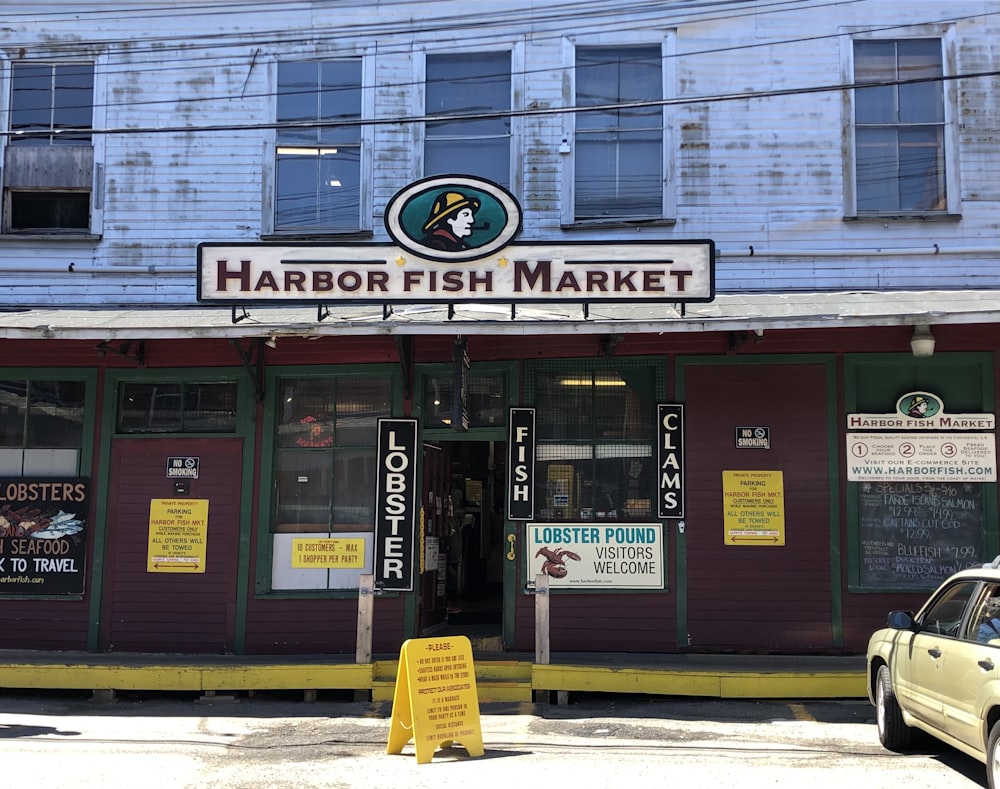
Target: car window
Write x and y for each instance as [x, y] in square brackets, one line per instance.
[984, 624]
[944, 614]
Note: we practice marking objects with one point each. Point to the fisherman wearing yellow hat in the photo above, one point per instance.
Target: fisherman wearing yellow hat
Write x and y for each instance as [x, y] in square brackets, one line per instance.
[918, 407]
[450, 222]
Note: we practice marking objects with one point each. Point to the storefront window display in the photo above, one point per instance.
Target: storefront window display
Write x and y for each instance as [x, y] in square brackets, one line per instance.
[595, 458]
[324, 473]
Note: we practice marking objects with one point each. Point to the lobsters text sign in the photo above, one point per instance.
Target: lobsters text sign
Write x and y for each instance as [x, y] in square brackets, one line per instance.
[43, 535]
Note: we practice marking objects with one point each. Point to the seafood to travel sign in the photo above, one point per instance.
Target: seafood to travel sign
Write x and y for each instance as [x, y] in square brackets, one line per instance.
[597, 556]
[43, 535]
[178, 533]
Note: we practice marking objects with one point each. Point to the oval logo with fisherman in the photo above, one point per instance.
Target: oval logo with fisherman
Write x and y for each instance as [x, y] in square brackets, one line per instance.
[452, 218]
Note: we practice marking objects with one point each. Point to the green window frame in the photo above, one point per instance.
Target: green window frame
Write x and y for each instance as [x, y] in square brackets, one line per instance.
[319, 466]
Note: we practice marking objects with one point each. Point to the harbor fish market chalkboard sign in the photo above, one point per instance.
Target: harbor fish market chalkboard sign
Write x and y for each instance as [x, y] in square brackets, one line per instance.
[43, 535]
[453, 242]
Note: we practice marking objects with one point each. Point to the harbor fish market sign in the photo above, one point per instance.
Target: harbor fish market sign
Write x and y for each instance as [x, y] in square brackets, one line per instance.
[453, 239]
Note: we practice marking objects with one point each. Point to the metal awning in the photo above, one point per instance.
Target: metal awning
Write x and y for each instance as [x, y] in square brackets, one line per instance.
[728, 312]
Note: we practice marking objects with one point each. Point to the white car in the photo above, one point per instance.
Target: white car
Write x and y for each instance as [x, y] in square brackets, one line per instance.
[939, 671]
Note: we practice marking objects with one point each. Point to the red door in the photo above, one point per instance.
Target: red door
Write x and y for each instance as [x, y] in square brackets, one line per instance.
[758, 596]
[149, 607]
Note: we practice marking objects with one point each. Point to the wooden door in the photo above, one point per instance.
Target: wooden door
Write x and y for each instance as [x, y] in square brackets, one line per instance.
[164, 607]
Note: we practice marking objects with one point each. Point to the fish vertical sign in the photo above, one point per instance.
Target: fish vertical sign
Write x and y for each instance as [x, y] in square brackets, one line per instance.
[396, 500]
[43, 535]
[521, 465]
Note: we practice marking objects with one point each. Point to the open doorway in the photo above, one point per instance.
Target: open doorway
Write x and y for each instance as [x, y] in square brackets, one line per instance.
[465, 594]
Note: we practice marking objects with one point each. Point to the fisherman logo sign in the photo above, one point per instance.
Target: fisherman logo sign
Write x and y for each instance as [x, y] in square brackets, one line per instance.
[453, 218]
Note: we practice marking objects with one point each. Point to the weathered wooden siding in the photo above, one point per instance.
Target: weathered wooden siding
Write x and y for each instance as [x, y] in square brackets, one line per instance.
[183, 138]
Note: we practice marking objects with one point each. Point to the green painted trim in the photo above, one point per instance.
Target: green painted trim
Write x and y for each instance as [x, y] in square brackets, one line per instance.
[833, 482]
[244, 431]
[833, 473]
[987, 398]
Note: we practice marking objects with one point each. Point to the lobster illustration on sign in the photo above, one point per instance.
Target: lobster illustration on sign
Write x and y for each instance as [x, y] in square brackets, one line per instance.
[555, 561]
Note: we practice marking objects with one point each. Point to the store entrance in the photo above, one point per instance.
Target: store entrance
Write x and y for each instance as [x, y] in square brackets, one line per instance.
[464, 593]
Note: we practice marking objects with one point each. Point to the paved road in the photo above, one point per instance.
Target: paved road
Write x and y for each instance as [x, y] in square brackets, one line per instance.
[599, 741]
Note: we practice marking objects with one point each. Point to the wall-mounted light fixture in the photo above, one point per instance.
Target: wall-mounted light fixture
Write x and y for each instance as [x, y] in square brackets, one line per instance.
[271, 342]
[922, 341]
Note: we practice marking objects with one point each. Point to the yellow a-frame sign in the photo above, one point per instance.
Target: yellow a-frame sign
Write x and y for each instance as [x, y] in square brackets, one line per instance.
[435, 701]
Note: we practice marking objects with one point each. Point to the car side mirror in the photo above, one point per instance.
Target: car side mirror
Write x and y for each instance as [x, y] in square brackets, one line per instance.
[901, 620]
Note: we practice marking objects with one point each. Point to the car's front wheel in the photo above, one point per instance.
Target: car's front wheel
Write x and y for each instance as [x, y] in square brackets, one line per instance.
[993, 757]
[893, 733]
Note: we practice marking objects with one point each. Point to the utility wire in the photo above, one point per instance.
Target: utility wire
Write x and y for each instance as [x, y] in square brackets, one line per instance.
[253, 54]
[519, 113]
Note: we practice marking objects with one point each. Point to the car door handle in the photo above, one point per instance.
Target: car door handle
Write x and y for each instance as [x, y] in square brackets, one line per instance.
[986, 664]
[934, 652]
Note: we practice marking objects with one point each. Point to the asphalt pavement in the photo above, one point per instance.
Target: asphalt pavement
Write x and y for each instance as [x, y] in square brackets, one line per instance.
[183, 741]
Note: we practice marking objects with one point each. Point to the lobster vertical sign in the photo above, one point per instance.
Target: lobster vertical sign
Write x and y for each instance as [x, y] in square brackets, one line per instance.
[396, 504]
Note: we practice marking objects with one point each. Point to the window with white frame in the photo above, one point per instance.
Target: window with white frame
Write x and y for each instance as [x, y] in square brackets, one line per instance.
[48, 174]
[619, 142]
[318, 150]
[899, 129]
[475, 86]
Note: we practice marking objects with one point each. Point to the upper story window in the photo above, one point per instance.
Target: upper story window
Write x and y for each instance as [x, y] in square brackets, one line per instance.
[619, 170]
[318, 155]
[469, 84]
[48, 175]
[51, 104]
[899, 133]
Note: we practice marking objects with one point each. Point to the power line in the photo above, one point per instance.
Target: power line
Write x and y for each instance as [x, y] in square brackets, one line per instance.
[515, 113]
[406, 46]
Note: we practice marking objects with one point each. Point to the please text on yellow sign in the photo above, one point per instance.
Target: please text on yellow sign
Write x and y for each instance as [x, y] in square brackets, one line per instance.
[435, 701]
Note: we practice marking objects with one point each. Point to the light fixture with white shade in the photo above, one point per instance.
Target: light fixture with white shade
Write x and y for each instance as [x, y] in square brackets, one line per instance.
[922, 341]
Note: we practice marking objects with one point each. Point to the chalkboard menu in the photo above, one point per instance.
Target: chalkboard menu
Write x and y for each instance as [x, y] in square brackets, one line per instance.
[913, 535]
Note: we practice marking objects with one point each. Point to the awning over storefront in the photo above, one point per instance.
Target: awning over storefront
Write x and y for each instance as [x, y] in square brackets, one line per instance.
[728, 312]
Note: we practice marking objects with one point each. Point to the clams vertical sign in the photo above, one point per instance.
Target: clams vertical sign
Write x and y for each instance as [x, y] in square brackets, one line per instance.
[396, 504]
[670, 460]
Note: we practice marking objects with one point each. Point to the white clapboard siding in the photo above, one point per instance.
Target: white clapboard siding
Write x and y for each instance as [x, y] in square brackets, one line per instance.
[186, 92]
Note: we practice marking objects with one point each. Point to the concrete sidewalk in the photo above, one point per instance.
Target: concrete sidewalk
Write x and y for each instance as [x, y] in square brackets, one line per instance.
[499, 676]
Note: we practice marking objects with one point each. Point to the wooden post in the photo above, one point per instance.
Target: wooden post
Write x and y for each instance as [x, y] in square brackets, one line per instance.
[542, 619]
[366, 610]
